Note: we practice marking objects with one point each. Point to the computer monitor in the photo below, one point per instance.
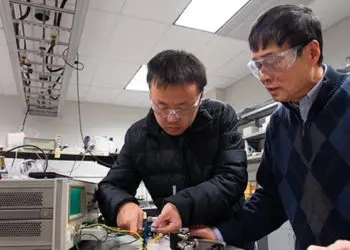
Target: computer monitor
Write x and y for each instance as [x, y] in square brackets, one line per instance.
[76, 202]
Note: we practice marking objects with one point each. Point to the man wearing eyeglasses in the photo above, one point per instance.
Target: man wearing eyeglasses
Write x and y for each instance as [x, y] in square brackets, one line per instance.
[304, 174]
[187, 151]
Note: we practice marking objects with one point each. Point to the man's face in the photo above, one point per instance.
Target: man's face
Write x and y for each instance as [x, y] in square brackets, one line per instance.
[286, 74]
[175, 106]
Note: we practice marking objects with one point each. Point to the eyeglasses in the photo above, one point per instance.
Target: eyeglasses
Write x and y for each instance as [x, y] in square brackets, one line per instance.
[178, 113]
[278, 62]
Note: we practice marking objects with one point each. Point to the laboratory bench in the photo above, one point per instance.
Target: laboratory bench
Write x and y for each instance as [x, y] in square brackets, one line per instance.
[105, 160]
[121, 243]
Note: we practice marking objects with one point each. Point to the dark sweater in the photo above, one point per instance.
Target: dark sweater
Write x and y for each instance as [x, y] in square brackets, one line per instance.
[207, 164]
[304, 173]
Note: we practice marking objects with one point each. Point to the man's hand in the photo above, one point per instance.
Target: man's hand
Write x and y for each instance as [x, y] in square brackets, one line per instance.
[203, 232]
[130, 217]
[338, 245]
[168, 221]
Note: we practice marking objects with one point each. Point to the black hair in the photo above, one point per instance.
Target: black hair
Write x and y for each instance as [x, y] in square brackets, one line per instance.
[176, 67]
[296, 25]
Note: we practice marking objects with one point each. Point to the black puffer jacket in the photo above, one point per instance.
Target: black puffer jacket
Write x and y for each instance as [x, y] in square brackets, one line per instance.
[207, 164]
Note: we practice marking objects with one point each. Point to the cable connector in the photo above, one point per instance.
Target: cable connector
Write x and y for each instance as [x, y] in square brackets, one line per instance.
[183, 241]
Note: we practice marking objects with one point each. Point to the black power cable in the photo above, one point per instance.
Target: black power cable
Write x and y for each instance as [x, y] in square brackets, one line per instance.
[22, 17]
[57, 22]
[26, 14]
[50, 51]
[29, 146]
[24, 120]
[27, 82]
[78, 68]
[53, 86]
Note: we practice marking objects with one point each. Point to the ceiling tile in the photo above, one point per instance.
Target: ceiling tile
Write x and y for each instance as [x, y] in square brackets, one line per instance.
[134, 38]
[101, 95]
[330, 12]
[86, 75]
[107, 5]
[114, 74]
[236, 67]
[158, 10]
[220, 50]
[8, 85]
[72, 92]
[97, 32]
[131, 98]
[182, 38]
[2, 38]
[5, 62]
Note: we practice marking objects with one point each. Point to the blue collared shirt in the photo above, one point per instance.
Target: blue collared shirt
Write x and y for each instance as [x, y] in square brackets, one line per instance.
[306, 102]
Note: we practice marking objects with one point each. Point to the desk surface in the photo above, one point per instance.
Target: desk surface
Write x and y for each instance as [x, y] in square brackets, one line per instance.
[121, 243]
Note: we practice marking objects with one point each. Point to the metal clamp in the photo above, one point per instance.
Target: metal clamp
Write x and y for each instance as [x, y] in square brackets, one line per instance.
[183, 241]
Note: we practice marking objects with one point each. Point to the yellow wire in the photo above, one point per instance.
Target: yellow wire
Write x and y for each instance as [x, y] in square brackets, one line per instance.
[120, 231]
[153, 240]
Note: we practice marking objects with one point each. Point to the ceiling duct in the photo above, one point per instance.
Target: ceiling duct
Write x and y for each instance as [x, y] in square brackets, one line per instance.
[238, 27]
[41, 35]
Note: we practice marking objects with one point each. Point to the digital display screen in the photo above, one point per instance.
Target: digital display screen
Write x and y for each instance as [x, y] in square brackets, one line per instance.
[75, 201]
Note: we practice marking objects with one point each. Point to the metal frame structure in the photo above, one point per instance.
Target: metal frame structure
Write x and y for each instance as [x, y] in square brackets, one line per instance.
[36, 49]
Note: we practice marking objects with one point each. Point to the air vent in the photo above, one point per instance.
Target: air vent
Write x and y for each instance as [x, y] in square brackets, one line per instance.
[21, 199]
[20, 229]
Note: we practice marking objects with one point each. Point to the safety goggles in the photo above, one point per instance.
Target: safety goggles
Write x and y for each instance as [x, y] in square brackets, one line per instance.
[178, 113]
[278, 62]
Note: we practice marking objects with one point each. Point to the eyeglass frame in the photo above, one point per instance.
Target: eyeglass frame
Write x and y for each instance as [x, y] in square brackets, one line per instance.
[176, 111]
[252, 63]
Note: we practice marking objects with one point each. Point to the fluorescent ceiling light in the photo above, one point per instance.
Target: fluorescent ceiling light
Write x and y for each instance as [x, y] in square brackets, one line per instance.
[209, 15]
[139, 82]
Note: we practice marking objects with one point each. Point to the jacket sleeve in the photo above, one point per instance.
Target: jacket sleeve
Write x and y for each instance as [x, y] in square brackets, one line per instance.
[119, 185]
[263, 213]
[206, 202]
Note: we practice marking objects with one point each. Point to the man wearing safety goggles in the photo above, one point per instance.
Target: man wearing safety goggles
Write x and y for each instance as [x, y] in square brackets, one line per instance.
[187, 151]
[304, 174]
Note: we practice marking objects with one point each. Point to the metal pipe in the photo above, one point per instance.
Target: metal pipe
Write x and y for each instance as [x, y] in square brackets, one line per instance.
[41, 81]
[39, 53]
[45, 64]
[38, 89]
[48, 26]
[41, 40]
[34, 96]
[41, 6]
[42, 73]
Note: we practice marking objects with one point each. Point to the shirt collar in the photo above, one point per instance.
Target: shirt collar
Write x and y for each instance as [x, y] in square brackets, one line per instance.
[306, 102]
[312, 94]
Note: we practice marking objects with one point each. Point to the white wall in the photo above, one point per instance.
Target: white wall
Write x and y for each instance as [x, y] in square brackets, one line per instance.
[215, 93]
[97, 119]
[249, 92]
[246, 93]
[337, 43]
